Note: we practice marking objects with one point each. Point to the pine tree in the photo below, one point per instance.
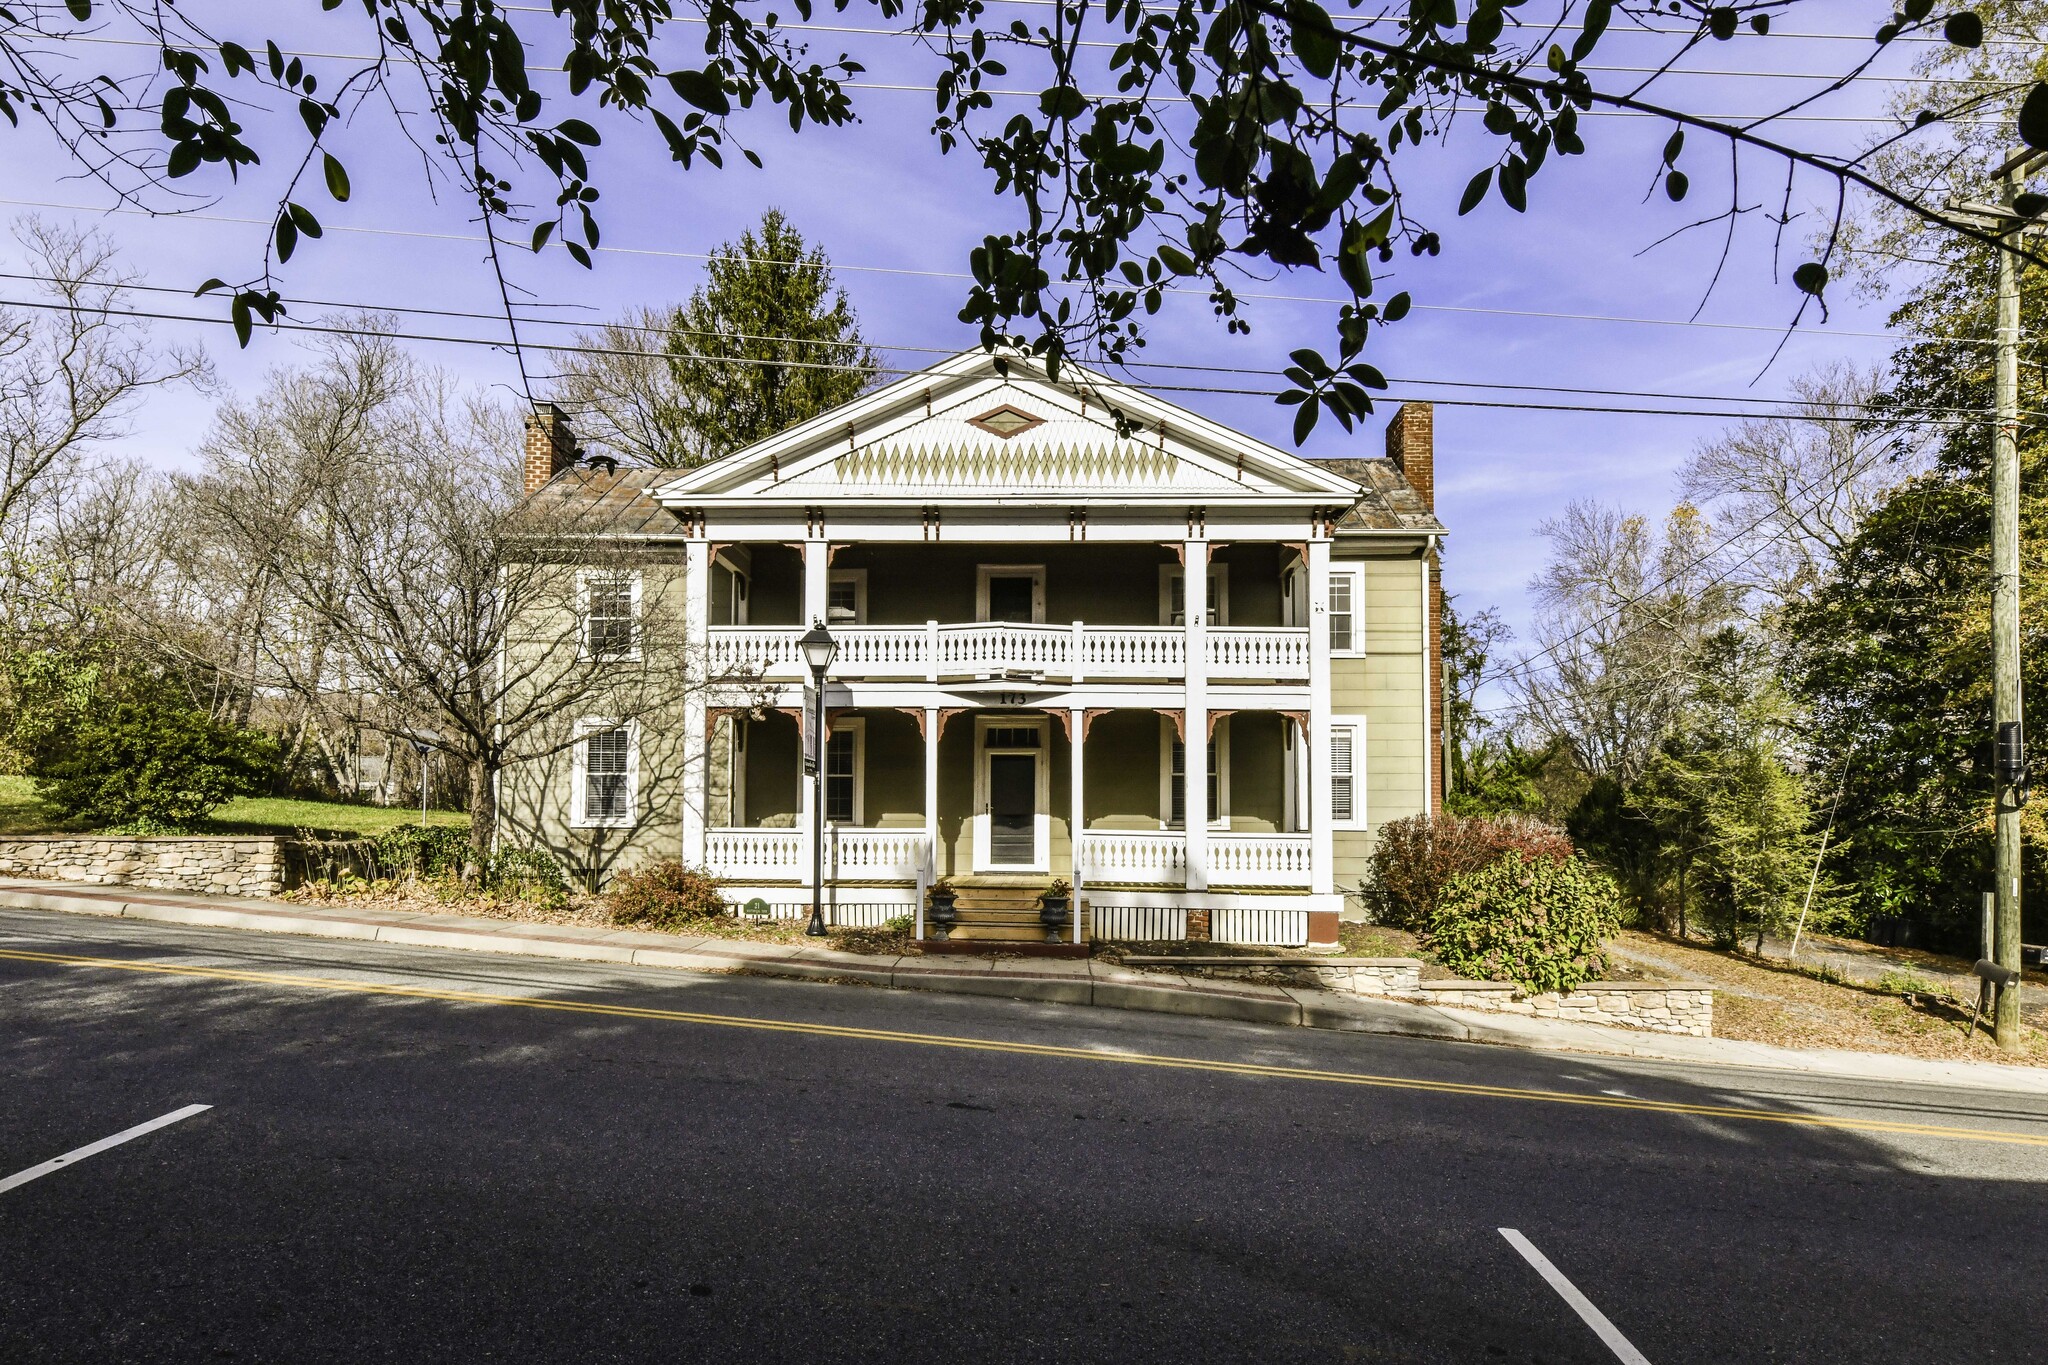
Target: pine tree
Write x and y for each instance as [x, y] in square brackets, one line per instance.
[768, 341]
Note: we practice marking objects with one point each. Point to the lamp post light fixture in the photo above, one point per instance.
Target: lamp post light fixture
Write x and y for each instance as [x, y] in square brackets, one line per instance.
[818, 648]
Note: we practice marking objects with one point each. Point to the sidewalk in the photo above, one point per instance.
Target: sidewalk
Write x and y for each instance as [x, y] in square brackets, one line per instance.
[1055, 981]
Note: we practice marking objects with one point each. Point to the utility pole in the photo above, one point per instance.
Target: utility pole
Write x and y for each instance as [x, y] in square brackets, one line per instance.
[2005, 615]
[2009, 766]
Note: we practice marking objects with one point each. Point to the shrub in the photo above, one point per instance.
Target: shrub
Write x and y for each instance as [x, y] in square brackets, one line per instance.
[141, 755]
[1414, 859]
[419, 851]
[1536, 922]
[664, 895]
[528, 874]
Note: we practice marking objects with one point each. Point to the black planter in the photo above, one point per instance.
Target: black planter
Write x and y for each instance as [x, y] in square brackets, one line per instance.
[942, 916]
[1053, 914]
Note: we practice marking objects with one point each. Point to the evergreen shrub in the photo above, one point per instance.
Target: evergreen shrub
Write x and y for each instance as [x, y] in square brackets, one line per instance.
[1536, 922]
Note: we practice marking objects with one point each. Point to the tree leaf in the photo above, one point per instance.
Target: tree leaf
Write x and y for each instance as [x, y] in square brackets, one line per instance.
[287, 236]
[1964, 29]
[81, 10]
[184, 160]
[1305, 420]
[1675, 186]
[1475, 191]
[337, 178]
[576, 130]
[702, 89]
[1721, 22]
[1673, 146]
[1811, 278]
[542, 232]
[1062, 102]
[2034, 118]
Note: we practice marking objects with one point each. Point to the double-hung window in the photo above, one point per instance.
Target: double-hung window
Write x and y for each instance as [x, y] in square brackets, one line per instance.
[611, 614]
[1346, 599]
[605, 771]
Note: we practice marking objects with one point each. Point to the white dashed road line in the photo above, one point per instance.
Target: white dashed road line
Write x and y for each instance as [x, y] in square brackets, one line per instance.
[1581, 1305]
[58, 1163]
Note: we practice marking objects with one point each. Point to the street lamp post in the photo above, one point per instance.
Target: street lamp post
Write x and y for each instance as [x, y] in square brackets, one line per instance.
[818, 648]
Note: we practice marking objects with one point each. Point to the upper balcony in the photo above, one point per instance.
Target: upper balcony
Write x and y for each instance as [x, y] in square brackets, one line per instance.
[1076, 653]
[1059, 613]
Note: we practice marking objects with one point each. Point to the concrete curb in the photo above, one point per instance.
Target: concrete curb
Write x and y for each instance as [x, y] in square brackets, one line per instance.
[1051, 982]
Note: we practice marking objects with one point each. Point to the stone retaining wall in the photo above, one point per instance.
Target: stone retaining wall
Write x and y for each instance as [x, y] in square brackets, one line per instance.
[1684, 1007]
[1368, 975]
[220, 865]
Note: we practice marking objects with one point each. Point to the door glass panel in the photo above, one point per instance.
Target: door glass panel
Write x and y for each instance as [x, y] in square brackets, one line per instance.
[1009, 597]
[1012, 809]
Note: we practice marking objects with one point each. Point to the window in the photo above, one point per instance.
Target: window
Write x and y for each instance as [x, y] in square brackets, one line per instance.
[1175, 799]
[1011, 737]
[1173, 596]
[846, 597]
[1011, 592]
[1347, 801]
[605, 762]
[1345, 636]
[611, 611]
[843, 773]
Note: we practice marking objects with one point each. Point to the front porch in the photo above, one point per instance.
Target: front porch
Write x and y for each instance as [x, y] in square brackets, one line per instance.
[985, 795]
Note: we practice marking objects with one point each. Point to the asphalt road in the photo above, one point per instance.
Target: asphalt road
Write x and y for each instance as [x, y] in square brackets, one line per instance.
[575, 1162]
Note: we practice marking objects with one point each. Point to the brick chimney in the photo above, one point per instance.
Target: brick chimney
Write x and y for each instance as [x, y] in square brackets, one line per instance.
[550, 448]
[1411, 445]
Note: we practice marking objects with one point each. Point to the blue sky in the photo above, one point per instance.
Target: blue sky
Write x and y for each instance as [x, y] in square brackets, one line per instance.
[1504, 304]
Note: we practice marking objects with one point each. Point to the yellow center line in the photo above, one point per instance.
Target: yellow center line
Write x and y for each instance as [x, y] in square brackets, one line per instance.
[1050, 1050]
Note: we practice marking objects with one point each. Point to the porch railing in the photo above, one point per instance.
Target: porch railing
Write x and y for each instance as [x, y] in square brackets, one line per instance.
[854, 855]
[1134, 858]
[1259, 860]
[755, 854]
[1075, 652]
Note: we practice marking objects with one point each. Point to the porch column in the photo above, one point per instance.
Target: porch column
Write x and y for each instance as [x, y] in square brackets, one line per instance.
[1322, 876]
[1195, 736]
[931, 803]
[817, 570]
[696, 745]
[1077, 726]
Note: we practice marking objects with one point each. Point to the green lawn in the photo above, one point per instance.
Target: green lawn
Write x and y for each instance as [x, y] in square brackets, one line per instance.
[22, 813]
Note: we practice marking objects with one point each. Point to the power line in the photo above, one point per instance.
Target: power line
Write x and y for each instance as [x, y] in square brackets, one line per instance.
[584, 346]
[337, 329]
[925, 88]
[669, 254]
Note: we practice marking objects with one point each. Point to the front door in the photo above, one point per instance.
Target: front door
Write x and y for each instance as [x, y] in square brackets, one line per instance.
[1013, 810]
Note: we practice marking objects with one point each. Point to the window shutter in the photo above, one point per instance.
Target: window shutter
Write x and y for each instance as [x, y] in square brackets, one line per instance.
[1342, 803]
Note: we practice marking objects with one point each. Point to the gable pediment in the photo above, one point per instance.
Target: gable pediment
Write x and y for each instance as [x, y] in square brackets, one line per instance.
[964, 429]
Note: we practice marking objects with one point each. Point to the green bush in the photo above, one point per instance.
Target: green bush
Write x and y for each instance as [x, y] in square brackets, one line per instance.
[529, 874]
[141, 755]
[664, 895]
[1536, 922]
[419, 851]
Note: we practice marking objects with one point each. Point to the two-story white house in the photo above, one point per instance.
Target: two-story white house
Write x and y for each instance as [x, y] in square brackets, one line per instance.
[1039, 613]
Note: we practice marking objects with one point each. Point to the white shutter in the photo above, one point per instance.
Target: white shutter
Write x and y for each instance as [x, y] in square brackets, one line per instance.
[1342, 777]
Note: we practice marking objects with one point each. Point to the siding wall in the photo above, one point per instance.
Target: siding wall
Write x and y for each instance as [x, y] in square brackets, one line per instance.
[1386, 688]
[535, 797]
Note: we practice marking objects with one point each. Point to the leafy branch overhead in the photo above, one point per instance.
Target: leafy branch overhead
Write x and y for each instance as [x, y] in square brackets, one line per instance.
[1191, 140]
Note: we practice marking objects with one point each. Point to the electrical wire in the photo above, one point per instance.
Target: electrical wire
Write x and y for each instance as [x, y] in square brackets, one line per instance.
[1261, 297]
[1782, 406]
